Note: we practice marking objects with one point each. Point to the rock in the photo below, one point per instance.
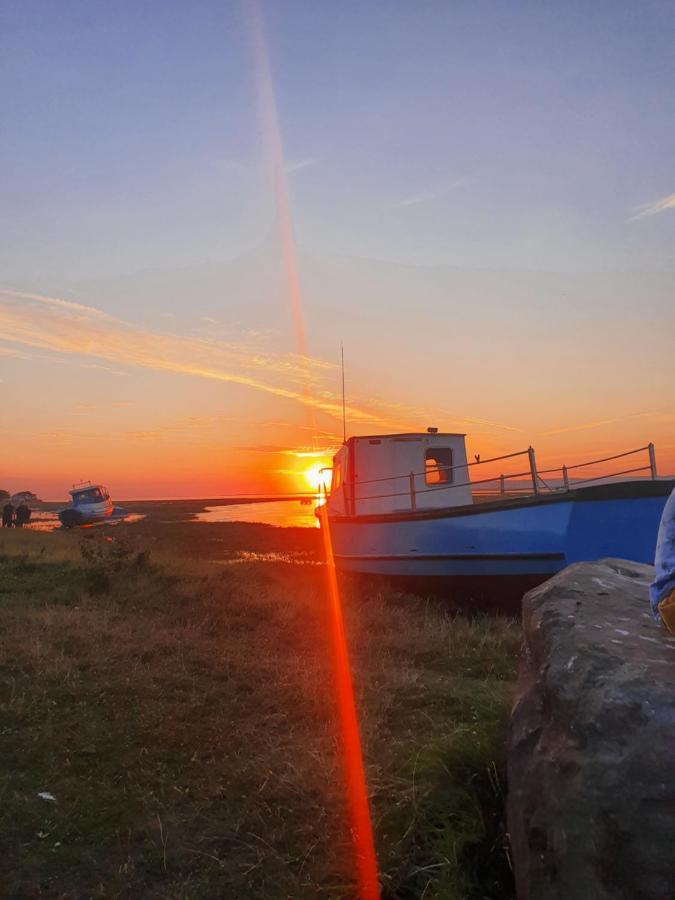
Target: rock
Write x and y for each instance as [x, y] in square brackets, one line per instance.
[591, 767]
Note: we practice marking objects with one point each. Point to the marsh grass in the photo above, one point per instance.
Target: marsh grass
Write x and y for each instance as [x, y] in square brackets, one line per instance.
[181, 713]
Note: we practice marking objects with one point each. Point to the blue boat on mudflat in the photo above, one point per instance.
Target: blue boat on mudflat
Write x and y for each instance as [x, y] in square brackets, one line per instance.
[91, 505]
[404, 506]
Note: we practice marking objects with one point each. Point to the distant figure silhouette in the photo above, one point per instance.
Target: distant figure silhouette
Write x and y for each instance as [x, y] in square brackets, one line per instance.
[477, 457]
[22, 516]
[7, 515]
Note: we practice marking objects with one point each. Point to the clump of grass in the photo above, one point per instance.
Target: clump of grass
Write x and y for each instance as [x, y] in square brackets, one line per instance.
[183, 718]
[107, 559]
[437, 689]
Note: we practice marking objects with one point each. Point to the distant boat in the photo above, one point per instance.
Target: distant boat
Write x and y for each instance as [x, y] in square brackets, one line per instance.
[90, 504]
[403, 505]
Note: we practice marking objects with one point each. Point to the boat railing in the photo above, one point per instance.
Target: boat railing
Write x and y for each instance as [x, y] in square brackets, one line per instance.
[534, 476]
[468, 465]
[565, 470]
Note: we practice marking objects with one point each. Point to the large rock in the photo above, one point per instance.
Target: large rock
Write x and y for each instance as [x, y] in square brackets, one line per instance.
[591, 804]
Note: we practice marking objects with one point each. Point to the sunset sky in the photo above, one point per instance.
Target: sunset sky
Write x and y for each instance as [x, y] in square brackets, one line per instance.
[482, 197]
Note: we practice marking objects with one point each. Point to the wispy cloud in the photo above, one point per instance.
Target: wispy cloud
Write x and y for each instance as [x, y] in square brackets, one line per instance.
[656, 206]
[61, 326]
[14, 353]
[427, 196]
[196, 430]
[300, 164]
[600, 423]
[86, 408]
[331, 436]
[100, 368]
[296, 453]
[31, 357]
[463, 421]
[69, 333]
[76, 309]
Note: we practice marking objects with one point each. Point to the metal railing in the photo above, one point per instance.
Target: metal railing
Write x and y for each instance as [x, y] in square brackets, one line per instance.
[478, 462]
[533, 475]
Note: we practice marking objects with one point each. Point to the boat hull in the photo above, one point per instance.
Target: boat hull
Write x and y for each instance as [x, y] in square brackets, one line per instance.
[86, 514]
[532, 537]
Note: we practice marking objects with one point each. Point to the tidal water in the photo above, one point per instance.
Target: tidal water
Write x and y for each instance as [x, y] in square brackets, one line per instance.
[44, 520]
[285, 513]
[282, 513]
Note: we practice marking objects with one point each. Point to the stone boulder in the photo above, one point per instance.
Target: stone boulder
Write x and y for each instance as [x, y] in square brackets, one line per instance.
[591, 759]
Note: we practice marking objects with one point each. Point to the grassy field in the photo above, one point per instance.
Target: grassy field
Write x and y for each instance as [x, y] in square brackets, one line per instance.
[169, 685]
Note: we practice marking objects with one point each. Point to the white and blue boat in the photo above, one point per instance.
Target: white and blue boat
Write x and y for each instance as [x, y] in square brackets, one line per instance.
[90, 505]
[406, 506]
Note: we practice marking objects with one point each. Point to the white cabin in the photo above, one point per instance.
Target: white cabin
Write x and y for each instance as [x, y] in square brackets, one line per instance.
[388, 473]
[90, 495]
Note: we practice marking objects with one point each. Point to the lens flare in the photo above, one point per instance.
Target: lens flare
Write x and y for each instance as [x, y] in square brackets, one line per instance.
[355, 776]
[269, 121]
[357, 795]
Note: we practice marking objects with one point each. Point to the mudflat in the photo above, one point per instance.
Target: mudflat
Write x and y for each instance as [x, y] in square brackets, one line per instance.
[168, 721]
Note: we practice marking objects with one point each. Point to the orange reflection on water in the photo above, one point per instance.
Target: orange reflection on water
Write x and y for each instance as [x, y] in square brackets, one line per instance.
[283, 513]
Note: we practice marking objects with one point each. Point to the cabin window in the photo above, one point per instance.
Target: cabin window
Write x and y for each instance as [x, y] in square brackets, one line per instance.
[336, 479]
[438, 465]
[91, 496]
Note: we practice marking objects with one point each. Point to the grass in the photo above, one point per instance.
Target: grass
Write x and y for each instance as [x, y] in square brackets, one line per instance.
[171, 688]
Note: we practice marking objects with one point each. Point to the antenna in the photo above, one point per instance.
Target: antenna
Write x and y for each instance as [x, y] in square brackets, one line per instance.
[344, 408]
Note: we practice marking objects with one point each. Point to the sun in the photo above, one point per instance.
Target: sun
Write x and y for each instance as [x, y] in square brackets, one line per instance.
[317, 476]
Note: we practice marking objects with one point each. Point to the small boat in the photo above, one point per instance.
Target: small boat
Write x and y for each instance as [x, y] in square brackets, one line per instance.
[91, 504]
[404, 505]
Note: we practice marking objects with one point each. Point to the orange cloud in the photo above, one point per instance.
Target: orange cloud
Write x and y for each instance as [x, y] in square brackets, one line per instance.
[656, 206]
[61, 326]
[585, 426]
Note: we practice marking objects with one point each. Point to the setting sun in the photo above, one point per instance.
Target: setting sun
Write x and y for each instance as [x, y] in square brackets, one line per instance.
[318, 476]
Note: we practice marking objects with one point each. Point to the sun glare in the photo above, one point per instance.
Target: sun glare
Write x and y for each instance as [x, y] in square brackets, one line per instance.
[317, 476]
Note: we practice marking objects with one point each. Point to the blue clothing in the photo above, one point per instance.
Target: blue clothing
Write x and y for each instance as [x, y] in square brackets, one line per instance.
[664, 582]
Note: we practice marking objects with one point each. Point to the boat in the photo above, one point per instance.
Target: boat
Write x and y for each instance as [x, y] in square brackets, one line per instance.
[412, 506]
[90, 504]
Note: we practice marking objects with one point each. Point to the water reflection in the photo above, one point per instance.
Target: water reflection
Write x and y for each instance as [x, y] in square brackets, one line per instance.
[282, 513]
[285, 513]
[45, 520]
[41, 520]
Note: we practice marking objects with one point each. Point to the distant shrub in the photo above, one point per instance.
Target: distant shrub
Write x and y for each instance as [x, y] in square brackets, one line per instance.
[106, 559]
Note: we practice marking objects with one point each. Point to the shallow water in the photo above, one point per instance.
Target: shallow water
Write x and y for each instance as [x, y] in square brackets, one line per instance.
[282, 513]
[42, 520]
[285, 513]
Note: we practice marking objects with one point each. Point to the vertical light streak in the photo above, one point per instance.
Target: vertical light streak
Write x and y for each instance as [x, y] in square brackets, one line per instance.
[355, 780]
[355, 776]
[269, 119]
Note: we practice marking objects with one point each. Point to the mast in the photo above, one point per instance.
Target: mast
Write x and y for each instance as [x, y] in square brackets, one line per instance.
[344, 408]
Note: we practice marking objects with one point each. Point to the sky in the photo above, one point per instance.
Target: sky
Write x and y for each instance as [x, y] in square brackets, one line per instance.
[202, 201]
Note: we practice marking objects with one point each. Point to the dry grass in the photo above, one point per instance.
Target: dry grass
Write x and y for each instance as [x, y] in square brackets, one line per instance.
[182, 716]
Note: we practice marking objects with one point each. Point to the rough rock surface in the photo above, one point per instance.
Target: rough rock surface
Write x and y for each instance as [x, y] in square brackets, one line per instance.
[591, 805]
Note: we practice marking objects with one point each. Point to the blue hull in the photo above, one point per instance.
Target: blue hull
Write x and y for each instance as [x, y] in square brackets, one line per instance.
[75, 518]
[532, 536]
